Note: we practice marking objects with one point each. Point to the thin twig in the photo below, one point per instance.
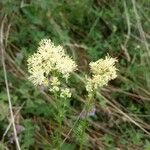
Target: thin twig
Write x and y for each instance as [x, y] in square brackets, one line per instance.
[124, 114]
[11, 121]
[141, 31]
[124, 47]
[6, 83]
[128, 23]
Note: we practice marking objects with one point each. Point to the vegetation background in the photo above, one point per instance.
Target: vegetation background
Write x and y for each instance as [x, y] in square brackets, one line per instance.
[88, 29]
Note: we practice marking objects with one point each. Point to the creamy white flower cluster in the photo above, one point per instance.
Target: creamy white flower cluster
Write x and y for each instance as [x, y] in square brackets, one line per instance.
[49, 58]
[102, 71]
[55, 84]
[55, 87]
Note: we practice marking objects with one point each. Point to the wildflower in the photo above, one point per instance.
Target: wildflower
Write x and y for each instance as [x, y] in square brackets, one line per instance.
[54, 89]
[89, 113]
[103, 71]
[55, 81]
[138, 46]
[48, 59]
[19, 130]
[65, 93]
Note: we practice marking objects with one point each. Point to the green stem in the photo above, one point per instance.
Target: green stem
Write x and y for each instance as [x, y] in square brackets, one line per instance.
[81, 146]
[62, 108]
[59, 117]
[59, 130]
[87, 109]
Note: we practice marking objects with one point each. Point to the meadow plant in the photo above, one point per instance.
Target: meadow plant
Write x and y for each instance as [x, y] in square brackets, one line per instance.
[51, 67]
[87, 28]
[102, 71]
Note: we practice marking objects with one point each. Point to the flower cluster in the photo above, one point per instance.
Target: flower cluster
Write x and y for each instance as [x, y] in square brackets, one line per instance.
[65, 93]
[103, 71]
[55, 83]
[48, 59]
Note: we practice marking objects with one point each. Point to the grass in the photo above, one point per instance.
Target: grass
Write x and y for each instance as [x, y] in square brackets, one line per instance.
[88, 30]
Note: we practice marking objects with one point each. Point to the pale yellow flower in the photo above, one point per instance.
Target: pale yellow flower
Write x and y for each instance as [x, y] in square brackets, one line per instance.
[48, 59]
[104, 66]
[54, 81]
[65, 93]
[54, 89]
[102, 71]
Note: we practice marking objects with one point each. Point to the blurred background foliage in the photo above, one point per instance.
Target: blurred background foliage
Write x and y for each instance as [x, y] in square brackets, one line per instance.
[88, 29]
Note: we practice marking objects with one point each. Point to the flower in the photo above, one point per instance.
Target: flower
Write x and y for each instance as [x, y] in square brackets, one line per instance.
[47, 60]
[55, 81]
[65, 93]
[103, 71]
[19, 130]
[54, 89]
[91, 112]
